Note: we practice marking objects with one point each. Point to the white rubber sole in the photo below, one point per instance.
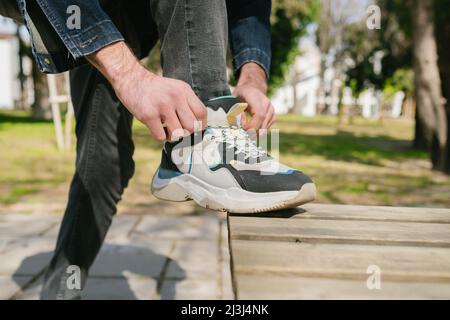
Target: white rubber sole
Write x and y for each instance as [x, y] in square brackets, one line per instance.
[188, 187]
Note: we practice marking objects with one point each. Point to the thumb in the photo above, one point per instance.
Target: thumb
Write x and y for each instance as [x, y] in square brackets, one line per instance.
[244, 122]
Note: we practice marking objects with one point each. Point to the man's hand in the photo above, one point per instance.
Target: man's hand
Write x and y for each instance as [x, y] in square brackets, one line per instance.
[152, 99]
[252, 88]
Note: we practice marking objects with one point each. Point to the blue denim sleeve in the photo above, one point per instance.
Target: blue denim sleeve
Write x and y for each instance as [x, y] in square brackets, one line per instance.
[95, 31]
[249, 32]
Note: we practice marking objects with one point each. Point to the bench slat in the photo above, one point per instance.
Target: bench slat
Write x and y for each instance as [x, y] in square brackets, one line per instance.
[341, 231]
[340, 261]
[382, 213]
[263, 287]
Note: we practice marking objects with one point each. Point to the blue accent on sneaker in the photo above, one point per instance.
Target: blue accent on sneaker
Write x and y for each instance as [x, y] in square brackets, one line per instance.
[168, 174]
[190, 163]
[290, 171]
[222, 97]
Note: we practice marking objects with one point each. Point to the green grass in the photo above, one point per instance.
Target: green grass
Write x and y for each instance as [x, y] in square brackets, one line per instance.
[363, 163]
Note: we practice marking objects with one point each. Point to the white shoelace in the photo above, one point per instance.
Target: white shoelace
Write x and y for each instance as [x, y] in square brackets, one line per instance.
[237, 137]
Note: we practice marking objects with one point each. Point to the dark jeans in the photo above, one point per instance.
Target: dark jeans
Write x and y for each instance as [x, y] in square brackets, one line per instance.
[193, 34]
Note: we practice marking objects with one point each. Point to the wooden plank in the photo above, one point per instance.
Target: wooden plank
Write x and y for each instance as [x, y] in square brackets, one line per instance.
[276, 287]
[368, 213]
[340, 261]
[340, 231]
[323, 252]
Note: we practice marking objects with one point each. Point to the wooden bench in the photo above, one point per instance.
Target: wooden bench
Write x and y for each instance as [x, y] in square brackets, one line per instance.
[323, 251]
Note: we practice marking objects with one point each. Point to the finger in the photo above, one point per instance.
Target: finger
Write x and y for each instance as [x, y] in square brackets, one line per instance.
[156, 128]
[257, 119]
[269, 117]
[271, 122]
[243, 119]
[186, 117]
[173, 125]
[197, 107]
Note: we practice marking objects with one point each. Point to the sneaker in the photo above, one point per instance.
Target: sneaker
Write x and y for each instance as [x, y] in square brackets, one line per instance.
[222, 168]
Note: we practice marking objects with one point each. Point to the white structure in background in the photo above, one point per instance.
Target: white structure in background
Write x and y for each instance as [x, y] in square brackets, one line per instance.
[397, 104]
[370, 106]
[370, 103]
[10, 95]
[283, 99]
[9, 64]
[331, 85]
[300, 92]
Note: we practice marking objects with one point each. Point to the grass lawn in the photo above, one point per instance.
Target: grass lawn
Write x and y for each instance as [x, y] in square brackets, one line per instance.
[363, 163]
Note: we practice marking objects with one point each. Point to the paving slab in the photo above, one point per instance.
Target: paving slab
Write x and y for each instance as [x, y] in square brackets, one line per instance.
[19, 226]
[137, 252]
[194, 260]
[32, 292]
[9, 285]
[190, 289]
[120, 228]
[127, 288]
[113, 260]
[187, 228]
[26, 256]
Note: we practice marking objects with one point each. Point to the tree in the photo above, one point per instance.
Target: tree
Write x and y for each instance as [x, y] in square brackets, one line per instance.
[289, 21]
[442, 29]
[41, 106]
[431, 116]
[408, 41]
[344, 39]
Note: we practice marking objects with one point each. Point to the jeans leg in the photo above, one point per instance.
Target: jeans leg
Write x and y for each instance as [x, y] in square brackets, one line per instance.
[104, 166]
[194, 41]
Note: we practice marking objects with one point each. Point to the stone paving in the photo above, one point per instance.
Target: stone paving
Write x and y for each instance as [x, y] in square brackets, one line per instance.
[144, 257]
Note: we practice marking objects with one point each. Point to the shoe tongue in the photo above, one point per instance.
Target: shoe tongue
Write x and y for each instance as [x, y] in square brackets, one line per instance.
[224, 111]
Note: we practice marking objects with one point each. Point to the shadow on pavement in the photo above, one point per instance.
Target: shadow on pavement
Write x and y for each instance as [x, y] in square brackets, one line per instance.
[109, 276]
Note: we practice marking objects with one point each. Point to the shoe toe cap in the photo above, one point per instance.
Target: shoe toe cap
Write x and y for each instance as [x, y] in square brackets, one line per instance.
[257, 182]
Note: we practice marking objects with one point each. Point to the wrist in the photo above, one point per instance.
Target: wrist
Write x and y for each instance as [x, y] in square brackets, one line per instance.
[118, 64]
[253, 75]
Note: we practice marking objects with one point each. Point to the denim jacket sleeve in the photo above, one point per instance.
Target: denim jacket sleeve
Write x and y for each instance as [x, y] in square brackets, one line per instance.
[58, 43]
[249, 32]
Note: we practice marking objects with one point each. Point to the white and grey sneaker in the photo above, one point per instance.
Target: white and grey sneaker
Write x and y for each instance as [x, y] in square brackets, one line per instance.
[222, 168]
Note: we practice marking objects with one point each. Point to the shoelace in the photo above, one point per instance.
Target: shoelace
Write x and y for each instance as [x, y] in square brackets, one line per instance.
[237, 137]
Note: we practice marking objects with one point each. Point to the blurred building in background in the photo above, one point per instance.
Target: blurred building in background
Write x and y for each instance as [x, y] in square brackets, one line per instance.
[9, 64]
[301, 92]
[13, 93]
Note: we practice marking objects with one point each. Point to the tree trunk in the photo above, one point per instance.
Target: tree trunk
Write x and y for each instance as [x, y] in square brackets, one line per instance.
[419, 143]
[41, 107]
[324, 35]
[21, 76]
[443, 41]
[430, 110]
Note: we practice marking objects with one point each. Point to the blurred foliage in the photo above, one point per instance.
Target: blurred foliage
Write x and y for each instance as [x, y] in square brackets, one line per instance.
[289, 21]
[393, 40]
[401, 80]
